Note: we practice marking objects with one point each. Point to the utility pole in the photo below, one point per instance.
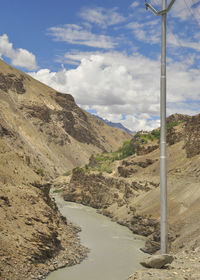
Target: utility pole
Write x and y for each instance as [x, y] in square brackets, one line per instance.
[163, 164]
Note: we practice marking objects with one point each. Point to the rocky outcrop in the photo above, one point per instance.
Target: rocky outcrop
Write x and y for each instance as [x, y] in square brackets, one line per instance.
[192, 140]
[12, 82]
[175, 118]
[174, 136]
[103, 192]
[95, 190]
[34, 237]
[144, 150]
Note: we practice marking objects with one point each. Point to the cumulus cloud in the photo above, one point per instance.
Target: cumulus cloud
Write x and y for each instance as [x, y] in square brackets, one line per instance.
[19, 57]
[102, 17]
[76, 34]
[126, 88]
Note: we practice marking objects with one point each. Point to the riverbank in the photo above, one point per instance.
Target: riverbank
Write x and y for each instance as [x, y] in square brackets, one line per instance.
[186, 266]
[130, 195]
[35, 238]
[114, 252]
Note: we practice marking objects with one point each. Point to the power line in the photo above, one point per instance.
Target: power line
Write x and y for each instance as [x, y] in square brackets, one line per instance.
[195, 3]
[191, 11]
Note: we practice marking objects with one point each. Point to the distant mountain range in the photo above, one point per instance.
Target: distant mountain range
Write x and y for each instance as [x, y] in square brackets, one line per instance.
[112, 124]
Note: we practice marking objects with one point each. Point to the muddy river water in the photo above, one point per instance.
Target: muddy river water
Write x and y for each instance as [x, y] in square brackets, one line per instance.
[114, 250]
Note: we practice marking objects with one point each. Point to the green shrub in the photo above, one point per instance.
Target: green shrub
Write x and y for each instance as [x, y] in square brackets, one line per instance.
[156, 133]
[172, 124]
[126, 150]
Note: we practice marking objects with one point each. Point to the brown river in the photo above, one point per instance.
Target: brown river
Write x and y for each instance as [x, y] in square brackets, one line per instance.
[114, 250]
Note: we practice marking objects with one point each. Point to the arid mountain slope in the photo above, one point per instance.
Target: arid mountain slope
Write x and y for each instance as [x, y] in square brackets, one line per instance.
[43, 134]
[47, 126]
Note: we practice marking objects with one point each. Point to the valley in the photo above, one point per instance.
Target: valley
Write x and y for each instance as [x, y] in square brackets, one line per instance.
[48, 143]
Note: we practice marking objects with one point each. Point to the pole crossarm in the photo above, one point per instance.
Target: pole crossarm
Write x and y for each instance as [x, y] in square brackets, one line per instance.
[160, 12]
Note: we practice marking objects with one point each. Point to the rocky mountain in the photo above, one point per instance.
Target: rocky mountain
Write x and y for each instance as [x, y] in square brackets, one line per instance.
[113, 124]
[128, 192]
[43, 134]
[48, 126]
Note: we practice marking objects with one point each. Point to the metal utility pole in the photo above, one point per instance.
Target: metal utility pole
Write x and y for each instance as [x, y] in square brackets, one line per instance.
[163, 165]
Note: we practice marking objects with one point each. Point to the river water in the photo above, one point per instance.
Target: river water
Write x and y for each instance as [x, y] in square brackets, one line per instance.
[114, 250]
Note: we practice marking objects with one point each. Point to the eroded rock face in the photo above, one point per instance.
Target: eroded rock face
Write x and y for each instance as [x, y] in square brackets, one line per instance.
[33, 234]
[174, 136]
[103, 192]
[192, 141]
[142, 150]
[11, 81]
[177, 118]
[94, 190]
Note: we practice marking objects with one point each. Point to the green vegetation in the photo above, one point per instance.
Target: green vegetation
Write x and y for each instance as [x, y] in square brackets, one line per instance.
[144, 138]
[156, 133]
[103, 162]
[172, 124]
[126, 150]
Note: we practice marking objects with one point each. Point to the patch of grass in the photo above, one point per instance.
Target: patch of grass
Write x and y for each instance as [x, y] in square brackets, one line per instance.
[172, 124]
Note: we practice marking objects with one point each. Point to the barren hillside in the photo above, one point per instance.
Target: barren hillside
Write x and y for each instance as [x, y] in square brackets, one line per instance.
[48, 126]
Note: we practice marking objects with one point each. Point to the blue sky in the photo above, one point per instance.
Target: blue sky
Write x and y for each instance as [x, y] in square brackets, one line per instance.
[107, 54]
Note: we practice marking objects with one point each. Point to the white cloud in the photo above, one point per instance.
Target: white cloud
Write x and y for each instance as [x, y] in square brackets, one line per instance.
[56, 80]
[102, 17]
[177, 41]
[75, 34]
[146, 31]
[140, 122]
[182, 9]
[19, 57]
[135, 4]
[117, 85]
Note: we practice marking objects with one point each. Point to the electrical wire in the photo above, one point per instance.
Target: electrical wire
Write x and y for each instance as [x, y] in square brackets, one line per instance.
[191, 11]
[195, 3]
[175, 36]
